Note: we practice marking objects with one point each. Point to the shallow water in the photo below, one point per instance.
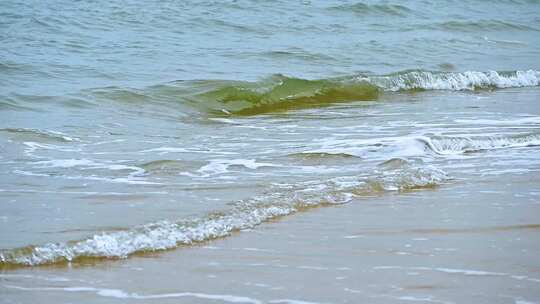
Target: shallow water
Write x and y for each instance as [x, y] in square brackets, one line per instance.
[424, 246]
[129, 129]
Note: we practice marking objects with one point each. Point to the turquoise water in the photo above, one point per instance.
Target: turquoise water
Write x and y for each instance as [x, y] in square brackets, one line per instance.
[133, 127]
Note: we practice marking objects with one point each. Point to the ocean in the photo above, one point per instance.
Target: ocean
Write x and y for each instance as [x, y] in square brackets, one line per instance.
[270, 151]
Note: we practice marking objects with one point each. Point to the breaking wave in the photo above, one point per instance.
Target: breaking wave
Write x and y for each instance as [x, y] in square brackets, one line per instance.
[282, 93]
[279, 93]
[460, 144]
[280, 200]
[467, 81]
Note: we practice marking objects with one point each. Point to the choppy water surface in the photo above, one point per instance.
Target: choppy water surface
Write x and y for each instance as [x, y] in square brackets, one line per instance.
[133, 127]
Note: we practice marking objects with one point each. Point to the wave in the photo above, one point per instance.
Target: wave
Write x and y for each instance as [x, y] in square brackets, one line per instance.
[322, 156]
[6, 67]
[281, 93]
[13, 106]
[416, 145]
[373, 9]
[169, 167]
[280, 200]
[466, 81]
[295, 54]
[459, 144]
[35, 134]
[482, 25]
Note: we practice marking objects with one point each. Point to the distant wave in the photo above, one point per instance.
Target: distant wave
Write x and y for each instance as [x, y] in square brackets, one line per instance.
[481, 25]
[35, 134]
[280, 200]
[375, 9]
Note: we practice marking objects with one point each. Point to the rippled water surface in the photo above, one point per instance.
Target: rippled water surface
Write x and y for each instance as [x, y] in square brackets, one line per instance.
[129, 128]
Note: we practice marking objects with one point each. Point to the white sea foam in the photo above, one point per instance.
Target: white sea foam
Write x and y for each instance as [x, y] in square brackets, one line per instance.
[418, 145]
[168, 150]
[289, 301]
[135, 175]
[34, 146]
[121, 294]
[501, 41]
[43, 134]
[453, 81]
[515, 121]
[219, 166]
[165, 150]
[461, 144]
[87, 163]
[82, 192]
[466, 272]
[65, 163]
[34, 277]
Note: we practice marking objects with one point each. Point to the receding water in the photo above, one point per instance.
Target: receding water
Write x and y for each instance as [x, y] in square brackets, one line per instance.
[357, 140]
